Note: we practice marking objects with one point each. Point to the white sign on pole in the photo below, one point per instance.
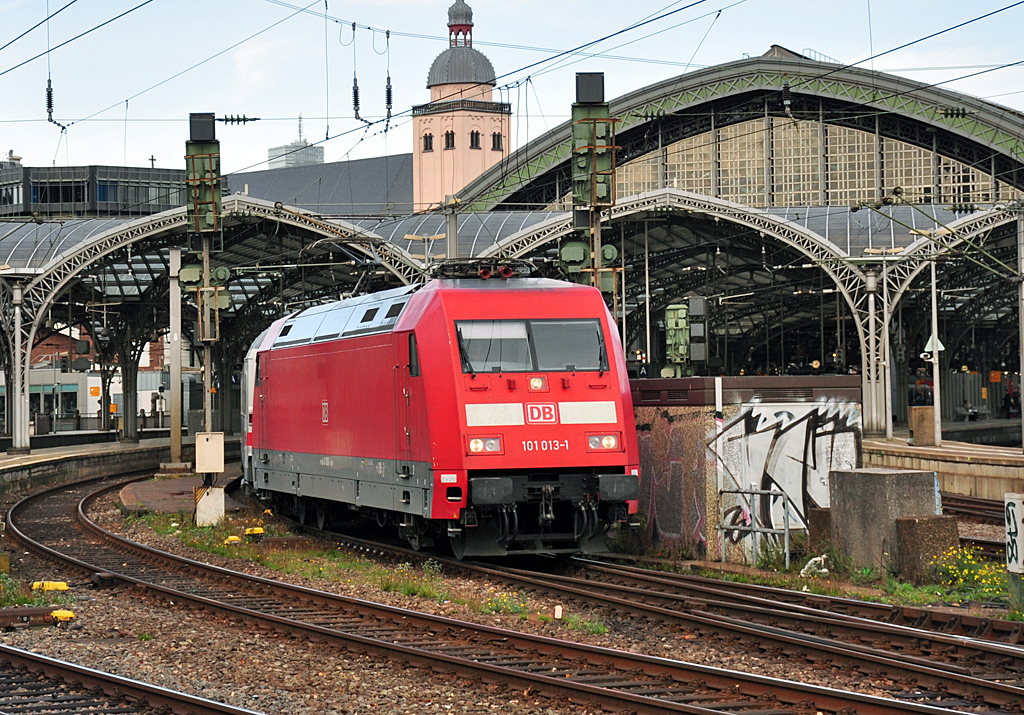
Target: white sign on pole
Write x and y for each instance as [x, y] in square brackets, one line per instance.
[209, 505]
[1014, 504]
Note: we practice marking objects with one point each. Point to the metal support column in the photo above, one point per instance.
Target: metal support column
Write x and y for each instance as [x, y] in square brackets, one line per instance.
[647, 294]
[886, 351]
[451, 228]
[20, 442]
[1020, 295]
[936, 397]
[174, 343]
[207, 326]
[871, 359]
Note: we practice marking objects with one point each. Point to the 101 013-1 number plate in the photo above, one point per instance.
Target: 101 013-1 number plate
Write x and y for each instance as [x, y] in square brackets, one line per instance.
[545, 445]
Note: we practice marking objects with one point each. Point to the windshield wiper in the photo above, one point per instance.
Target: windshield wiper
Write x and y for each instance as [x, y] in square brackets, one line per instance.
[464, 355]
[602, 355]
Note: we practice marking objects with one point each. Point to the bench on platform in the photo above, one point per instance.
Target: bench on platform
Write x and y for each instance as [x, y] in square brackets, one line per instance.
[972, 415]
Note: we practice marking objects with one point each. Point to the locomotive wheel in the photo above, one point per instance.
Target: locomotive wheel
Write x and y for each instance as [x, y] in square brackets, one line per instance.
[458, 544]
[321, 516]
[301, 511]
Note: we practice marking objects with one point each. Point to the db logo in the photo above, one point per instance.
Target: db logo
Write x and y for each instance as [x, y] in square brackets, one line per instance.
[541, 414]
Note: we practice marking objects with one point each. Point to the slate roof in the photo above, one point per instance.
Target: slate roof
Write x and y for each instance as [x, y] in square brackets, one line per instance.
[380, 185]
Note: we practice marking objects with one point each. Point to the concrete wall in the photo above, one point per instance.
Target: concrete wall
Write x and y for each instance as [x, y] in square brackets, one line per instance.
[780, 434]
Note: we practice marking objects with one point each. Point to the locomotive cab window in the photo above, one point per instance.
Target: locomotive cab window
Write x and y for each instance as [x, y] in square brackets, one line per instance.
[531, 346]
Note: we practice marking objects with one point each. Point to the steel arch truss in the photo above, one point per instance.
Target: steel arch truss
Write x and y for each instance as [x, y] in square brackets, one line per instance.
[987, 137]
[41, 289]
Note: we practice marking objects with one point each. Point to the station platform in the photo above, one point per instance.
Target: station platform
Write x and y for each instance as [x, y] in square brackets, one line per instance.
[56, 465]
[963, 468]
[170, 495]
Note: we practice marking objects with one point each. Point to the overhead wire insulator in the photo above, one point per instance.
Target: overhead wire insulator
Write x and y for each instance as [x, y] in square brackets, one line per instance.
[388, 96]
[49, 101]
[355, 96]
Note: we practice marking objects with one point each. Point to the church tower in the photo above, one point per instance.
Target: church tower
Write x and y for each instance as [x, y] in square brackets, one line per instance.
[462, 132]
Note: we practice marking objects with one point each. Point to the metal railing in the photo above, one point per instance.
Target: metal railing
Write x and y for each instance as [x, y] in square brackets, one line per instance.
[753, 529]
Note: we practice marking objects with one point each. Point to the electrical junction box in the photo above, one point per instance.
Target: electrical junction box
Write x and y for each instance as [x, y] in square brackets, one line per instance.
[209, 452]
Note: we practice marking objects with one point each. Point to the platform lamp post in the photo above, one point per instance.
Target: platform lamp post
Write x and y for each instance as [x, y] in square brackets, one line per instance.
[1020, 302]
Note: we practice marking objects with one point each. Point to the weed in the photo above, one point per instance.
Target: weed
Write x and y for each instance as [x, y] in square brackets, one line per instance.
[432, 568]
[145, 637]
[14, 593]
[502, 602]
[970, 576]
[594, 627]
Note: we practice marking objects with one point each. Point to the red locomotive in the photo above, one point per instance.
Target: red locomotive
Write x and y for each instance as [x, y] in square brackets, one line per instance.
[495, 413]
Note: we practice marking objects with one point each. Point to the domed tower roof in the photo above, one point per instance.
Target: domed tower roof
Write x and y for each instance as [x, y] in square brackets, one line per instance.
[460, 63]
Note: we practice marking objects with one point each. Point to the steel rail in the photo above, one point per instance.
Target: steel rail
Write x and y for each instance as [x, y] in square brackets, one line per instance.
[765, 623]
[552, 666]
[989, 511]
[919, 617]
[133, 696]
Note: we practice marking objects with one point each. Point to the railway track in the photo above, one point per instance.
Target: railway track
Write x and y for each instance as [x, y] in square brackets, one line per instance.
[986, 511]
[927, 645]
[31, 683]
[608, 678]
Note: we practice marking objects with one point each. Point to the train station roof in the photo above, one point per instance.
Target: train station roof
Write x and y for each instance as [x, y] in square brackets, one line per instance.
[29, 246]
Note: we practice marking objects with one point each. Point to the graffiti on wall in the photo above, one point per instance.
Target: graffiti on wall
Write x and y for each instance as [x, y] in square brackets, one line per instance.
[783, 447]
[673, 478]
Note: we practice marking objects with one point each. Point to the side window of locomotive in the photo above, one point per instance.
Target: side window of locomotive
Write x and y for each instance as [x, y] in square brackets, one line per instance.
[414, 357]
[393, 312]
[301, 330]
[369, 315]
[493, 346]
[259, 375]
[568, 345]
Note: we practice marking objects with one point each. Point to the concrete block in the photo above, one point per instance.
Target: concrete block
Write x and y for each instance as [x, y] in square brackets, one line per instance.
[920, 541]
[865, 504]
[819, 531]
[922, 425]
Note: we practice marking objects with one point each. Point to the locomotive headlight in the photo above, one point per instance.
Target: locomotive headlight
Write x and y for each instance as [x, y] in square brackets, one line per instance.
[485, 445]
[602, 442]
[538, 383]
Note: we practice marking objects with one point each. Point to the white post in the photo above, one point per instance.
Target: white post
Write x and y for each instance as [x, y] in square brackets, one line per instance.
[936, 395]
[174, 342]
[1020, 300]
[647, 296]
[20, 443]
[886, 362]
[871, 363]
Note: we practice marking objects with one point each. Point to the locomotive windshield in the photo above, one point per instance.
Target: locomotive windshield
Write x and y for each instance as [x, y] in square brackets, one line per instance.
[531, 346]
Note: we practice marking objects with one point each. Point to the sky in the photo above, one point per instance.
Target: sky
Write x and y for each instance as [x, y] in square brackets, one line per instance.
[124, 90]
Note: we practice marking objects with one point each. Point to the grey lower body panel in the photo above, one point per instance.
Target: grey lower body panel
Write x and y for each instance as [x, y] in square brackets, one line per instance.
[363, 482]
